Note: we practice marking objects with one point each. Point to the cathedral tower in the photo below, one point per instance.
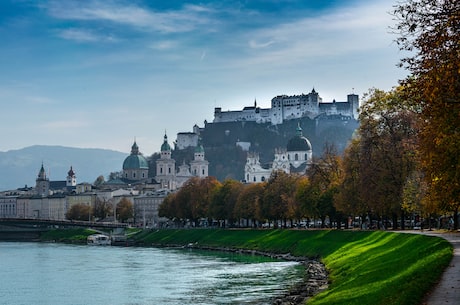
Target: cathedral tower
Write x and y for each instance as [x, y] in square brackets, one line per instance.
[42, 183]
[166, 166]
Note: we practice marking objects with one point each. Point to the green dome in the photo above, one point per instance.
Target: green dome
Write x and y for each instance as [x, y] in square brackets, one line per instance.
[199, 149]
[299, 142]
[165, 146]
[135, 162]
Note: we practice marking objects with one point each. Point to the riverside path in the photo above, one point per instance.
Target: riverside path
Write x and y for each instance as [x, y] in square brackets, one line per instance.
[447, 291]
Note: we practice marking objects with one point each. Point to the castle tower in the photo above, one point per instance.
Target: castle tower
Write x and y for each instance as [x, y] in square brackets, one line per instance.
[199, 165]
[42, 183]
[166, 166]
[71, 178]
[353, 99]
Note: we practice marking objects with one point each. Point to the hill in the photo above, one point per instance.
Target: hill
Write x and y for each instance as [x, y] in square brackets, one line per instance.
[20, 167]
[227, 160]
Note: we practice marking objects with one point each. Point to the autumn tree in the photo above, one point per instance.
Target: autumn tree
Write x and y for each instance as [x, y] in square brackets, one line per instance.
[348, 199]
[224, 200]
[324, 176]
[278, 196]
[387, 144]
[430, 31]
[191, 202]
[248, 202]
[125, 210]
[79, 211]
[102, 208]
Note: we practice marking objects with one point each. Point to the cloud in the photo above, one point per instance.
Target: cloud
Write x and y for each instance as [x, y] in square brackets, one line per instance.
[356, 29]
[184, 20]
[163, 45]
[81, 35]
[257, 45]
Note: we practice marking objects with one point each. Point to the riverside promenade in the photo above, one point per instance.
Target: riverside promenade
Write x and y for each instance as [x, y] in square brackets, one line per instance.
[447, 291]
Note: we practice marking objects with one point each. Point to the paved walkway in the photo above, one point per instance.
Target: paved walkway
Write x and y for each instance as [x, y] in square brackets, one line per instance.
[447, 291]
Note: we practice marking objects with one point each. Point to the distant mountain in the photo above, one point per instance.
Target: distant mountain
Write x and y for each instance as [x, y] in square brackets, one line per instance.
[20, 167]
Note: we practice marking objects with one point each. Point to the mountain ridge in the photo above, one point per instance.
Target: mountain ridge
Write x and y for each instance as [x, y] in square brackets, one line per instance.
[19, 167]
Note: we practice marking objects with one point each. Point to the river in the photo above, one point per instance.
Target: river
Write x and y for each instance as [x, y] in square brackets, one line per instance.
[48, 274]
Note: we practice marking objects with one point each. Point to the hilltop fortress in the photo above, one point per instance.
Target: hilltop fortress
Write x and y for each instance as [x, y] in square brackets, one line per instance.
[284, 107]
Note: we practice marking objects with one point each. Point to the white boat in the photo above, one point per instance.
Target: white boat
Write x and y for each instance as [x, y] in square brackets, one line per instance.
[98, 240]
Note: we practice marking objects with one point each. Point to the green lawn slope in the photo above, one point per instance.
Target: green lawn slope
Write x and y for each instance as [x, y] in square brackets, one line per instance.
[366, 267]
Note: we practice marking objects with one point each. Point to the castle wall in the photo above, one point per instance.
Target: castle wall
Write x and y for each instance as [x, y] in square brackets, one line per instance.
[285, 107]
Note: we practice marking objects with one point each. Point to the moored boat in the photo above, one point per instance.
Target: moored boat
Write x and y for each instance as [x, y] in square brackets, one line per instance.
[98, 240]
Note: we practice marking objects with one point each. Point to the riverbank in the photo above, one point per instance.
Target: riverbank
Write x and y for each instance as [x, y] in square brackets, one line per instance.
[365, 267]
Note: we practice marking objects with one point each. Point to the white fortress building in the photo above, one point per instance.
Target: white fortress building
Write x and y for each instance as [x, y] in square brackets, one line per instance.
[285, 107]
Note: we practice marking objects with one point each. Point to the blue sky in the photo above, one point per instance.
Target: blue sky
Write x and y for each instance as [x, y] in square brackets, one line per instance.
[100, 73]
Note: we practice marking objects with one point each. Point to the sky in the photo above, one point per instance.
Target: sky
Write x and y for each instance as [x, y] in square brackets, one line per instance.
[103, 73]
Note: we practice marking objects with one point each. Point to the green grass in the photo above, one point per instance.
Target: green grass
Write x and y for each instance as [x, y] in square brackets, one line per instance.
[67, 235]
[366, 267]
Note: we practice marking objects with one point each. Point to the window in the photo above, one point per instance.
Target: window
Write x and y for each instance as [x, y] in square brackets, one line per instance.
[262, 179]
[296, 157]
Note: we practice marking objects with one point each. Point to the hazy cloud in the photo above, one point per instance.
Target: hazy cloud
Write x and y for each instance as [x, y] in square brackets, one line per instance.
[81, 35]
[129, 14]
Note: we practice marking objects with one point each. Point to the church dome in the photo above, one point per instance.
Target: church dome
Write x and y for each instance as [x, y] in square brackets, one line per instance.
[298, 142]
[165, 146]
[199, 148]
[135, 160]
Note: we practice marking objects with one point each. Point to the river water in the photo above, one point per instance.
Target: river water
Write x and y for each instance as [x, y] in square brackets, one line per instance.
[48, 274]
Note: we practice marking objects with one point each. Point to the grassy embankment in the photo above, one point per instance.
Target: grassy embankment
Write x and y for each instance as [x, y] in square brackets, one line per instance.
[365, 267]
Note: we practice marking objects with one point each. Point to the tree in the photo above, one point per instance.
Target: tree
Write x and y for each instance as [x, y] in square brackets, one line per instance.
[191, 201]
[223, 202]
[248, 202]
[324, 176]
[430, 31]
[102, 208]
[125, 210]
[348, 199]
[99, 181]
[79, 211]
[278, 196]
[387, 141]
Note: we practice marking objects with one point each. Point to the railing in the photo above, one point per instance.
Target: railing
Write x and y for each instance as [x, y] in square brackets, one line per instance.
[51, 222]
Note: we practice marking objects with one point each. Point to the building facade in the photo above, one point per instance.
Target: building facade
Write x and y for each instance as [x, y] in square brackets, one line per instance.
[295, 158]
[171, 179]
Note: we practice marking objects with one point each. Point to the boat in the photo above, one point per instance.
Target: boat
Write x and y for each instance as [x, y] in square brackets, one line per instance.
[98, 240]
